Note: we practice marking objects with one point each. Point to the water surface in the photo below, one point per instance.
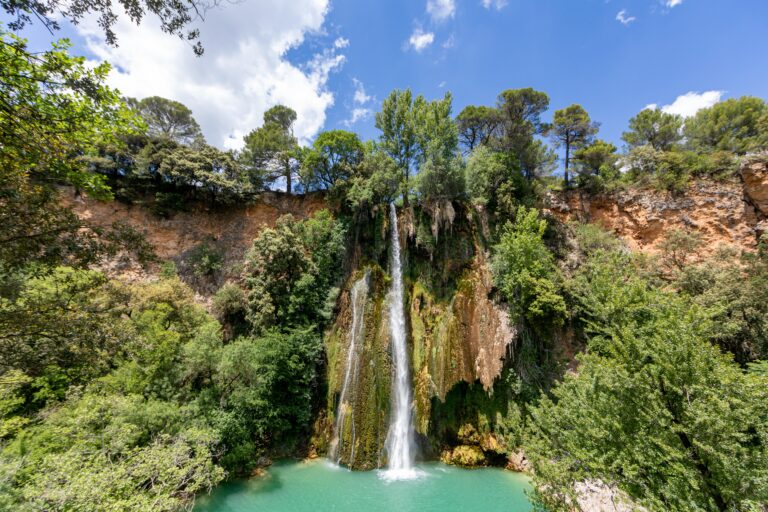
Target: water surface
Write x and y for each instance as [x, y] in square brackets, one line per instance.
[319, 486]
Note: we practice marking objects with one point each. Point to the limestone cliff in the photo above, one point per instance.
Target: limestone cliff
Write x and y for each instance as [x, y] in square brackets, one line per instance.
[754, 173]
[230, 231]
[719, 211]
[457, 332]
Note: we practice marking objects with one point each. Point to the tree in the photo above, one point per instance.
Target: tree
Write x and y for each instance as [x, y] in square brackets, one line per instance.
[520, 111]
[524, 270]
[175, 17]
[437, 137]
[169, 119]
[398, 135]
[478, 125]
[573, 129]
[290, 270]
[597, 156]
[271, 150]
[332, 160]
[378, 180]
[56, 110]
[206, 170]
[736, 125]
[654, 127]
[654, 408]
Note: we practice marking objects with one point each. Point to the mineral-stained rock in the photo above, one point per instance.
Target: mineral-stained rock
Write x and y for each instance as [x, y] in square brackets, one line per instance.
[754, 172]
[464, 455]
[643, 217]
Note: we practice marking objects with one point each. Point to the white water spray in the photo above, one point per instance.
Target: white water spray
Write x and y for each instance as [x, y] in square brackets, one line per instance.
[400, 437]
[345, 412]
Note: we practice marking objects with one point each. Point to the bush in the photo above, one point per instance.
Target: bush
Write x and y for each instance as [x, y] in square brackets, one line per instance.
[205, 260]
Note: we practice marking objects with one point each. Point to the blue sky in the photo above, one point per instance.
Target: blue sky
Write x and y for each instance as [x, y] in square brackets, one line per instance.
[328, 60]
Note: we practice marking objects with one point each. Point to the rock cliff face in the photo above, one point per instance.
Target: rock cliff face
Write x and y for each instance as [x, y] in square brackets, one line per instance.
[457, 333]
[754, 173]
[459, 337]
[230, 231]
[719, 211]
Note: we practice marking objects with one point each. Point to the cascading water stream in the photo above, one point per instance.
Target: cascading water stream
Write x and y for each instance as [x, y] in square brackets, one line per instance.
[400, 437]
[345, 412]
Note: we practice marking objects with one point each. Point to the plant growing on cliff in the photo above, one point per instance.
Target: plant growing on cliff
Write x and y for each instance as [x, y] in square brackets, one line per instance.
[525, 272]
[291, 269]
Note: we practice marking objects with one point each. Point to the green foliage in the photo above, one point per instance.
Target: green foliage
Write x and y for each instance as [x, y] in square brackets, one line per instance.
[733, 293]
[485, 171]
[204, 260]
[478, 126]
[654, 409]
[377, 182]
[268, 385]
[271, 150]
[398, 134]
[59, 329]
[737, 125]
[207, 171]
[572, 129]
[597, 166]
[441, 180]
[679, 247]
[417, 133]
[521, 111]
[113, 452]
[229, 305]
[656, 128]
[290, 271]
[168, 119]
[525, 272]
[55, 107]
[331, 161]
[174, 18]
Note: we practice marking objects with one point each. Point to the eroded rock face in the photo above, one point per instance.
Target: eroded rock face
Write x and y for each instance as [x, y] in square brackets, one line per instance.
[718, 211]
[465, 339]
[596, 496]
[457, 333]
[754, 172]
[231, 230]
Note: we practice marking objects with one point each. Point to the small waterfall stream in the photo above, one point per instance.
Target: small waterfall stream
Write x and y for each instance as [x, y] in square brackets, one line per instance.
[344, 411]
[399, 442]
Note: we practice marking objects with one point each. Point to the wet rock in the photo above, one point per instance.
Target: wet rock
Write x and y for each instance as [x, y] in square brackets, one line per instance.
[464, 455]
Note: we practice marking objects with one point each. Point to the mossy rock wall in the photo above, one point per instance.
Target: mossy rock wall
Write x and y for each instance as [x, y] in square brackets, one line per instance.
[457, 333]
[362, 441]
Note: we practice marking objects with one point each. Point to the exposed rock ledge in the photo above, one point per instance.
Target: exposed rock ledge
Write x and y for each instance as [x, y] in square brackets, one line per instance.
[723, 213]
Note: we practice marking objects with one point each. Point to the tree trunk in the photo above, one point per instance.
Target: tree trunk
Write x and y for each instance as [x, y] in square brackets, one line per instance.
[567, 161]
[288, 180]
[405, 188]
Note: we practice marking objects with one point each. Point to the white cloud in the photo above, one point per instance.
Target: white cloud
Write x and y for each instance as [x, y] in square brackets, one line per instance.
[672, 3]
[244, 70]
[450, 42]
[361, 101]
[622, 17]
[360, 97]
[689, 103]
[441, 10]
[496, 4]
[357, 115]
[420, 39]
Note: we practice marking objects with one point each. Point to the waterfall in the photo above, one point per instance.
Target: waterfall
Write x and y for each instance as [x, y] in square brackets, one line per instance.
[344, 411]
[399, 442]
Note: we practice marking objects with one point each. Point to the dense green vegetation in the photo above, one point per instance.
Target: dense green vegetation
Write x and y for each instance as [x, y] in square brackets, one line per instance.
[131, 396]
